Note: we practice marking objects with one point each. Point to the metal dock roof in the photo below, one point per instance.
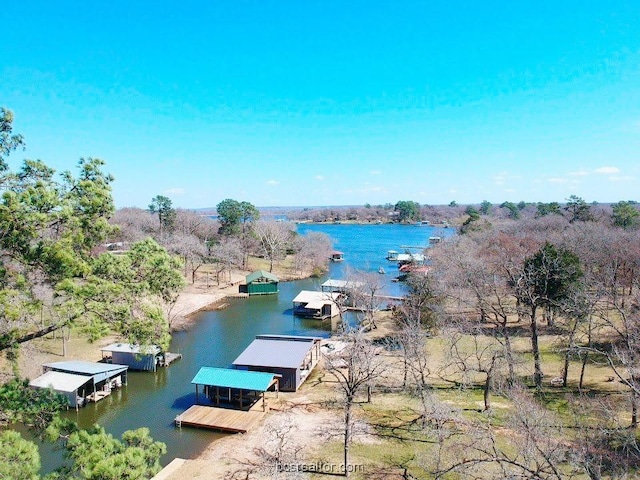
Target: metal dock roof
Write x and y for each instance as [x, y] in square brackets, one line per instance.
[60, 381]
[129, 348]
[85, 368]
[308, 296]
[232, 378]
[281, 353]
[252, 277]
[98, 371]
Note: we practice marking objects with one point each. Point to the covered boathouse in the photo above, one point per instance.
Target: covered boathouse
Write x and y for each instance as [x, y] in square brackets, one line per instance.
[136, 358]
[291, 357]
[336, 256]
[341, 286]
[317, 305]
[228, 388]
[260, 283]
[81, 381]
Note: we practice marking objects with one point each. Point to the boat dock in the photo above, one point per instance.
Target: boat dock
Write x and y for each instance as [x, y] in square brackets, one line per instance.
[223, 419]
[168, 358]
[98, 395]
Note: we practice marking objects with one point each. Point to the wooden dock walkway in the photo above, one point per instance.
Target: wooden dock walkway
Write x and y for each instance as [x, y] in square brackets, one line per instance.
[169, 358]
[224, 419]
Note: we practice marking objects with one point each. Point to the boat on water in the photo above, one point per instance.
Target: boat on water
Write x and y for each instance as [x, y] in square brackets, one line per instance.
[423, 223]
[381, 271]
[434, 240]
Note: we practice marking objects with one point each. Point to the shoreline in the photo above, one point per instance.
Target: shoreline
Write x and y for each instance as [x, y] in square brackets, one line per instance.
[200, 297]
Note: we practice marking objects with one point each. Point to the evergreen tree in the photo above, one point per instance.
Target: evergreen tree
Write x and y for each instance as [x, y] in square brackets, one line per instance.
[166, 213]
[625, 215]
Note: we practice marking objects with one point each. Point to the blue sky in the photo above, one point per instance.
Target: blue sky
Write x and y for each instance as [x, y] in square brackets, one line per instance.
[301, 103]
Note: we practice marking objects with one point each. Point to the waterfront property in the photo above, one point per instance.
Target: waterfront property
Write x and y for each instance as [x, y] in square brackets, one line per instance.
[237, 390]
[136, 358]
[317, 305]
[74, 387]
[147, 358]
[405, 258]
[336, 256]
[340, 286]
[290, 357]
[260, 283]
[241, 387]
[81, 381]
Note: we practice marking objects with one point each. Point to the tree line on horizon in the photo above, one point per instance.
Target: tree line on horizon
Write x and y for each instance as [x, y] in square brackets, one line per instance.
[625, 213]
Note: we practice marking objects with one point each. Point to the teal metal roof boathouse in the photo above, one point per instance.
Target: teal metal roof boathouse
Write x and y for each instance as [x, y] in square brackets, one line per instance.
[261, 283]
[242, 386]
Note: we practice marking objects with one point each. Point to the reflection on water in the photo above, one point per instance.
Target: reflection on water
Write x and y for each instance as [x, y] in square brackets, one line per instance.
[153, 400]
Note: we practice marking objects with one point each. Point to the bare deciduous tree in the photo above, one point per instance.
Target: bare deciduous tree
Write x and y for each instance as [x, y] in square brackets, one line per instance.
[364, 291]
[225, 254]
[191, 249]
[471, 352]
[277, 456]
[274, 238]
[536, 449]
[355, 366]
[312, 252]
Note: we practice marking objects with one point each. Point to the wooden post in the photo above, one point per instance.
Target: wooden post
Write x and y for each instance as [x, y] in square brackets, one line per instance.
[197, 393]
[240, 399]
[217, 396]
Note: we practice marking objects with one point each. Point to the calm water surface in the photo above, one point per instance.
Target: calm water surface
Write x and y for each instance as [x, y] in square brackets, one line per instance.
[154, 399]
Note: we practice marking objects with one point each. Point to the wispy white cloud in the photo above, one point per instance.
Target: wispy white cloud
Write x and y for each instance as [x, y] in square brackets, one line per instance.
[175, 191]
[319, 178]
[273, 182]
[621, 178]
[375, 172]
[504, 177]
[500, 178]
[578, 173]
[607, 170]
[557, 180]
[366, 188]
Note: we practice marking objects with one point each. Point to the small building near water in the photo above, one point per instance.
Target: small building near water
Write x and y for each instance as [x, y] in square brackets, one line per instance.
[136, 358]
[340, 286]
[404, 258]
[317, 305]
[81, 381]
[292, 358]
[260, 283]
[336, 256]
[229, 385]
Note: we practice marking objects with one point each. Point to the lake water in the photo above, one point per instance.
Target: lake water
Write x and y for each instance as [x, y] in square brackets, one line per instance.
[153, 400]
